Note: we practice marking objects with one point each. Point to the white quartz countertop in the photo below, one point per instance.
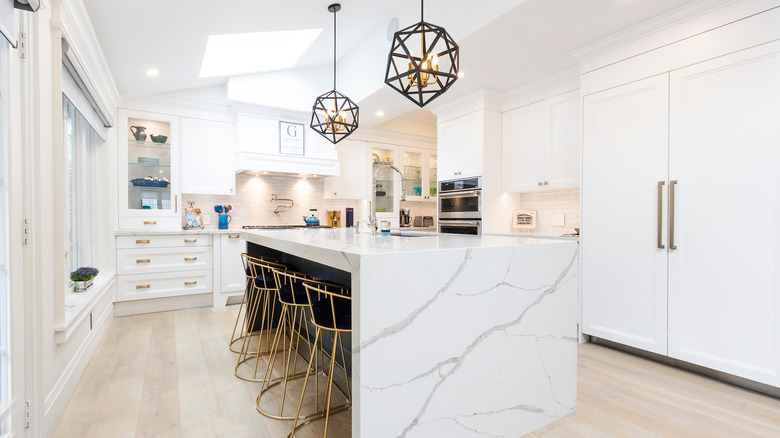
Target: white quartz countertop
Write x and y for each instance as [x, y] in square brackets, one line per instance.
[348, 242]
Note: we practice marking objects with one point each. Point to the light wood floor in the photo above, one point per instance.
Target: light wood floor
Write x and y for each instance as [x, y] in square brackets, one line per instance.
[170, 374]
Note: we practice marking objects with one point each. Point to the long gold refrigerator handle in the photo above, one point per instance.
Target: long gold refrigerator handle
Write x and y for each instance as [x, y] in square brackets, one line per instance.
[672, 183]
[660, 214]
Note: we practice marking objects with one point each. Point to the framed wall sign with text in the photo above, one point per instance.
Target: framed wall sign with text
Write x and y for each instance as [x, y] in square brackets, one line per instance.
[291, 138]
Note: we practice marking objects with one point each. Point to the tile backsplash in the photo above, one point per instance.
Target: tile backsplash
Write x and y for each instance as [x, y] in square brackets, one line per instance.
[252, 203]
[547, 203]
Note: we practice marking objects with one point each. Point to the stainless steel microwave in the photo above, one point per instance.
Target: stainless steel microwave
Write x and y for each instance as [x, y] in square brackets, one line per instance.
[460, 199]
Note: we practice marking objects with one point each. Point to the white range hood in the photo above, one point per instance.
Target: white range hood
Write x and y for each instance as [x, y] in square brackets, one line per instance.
[259, 152]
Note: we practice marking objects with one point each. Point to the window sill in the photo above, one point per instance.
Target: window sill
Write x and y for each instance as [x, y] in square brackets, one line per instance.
[79, 305]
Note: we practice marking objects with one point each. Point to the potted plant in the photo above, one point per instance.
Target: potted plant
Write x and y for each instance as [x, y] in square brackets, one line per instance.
[82, 278]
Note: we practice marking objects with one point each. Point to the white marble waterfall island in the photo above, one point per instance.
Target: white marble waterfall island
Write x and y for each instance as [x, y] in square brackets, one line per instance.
[453, 336]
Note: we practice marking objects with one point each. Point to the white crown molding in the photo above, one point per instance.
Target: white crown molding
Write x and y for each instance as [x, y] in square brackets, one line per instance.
[182, 107]
[546, 87]
[482, 99]
[393, 138]
[651, 26]
[78, 31]
[271, 112]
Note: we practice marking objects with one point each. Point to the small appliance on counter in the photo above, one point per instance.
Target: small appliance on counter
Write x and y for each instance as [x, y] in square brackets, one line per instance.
[350, 217]
[334, 218]
[405, 219]
[312, 220]
[423, 221]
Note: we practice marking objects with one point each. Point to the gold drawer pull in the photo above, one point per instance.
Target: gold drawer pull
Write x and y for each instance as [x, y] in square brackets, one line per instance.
[190, 240]
[141, 241]
[150, 222]
[143, 260]
[233, 236]
[190, 283]
[190, 259]
[143, 286]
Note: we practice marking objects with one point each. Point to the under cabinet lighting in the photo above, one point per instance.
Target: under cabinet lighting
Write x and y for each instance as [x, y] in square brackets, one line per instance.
[245, 53]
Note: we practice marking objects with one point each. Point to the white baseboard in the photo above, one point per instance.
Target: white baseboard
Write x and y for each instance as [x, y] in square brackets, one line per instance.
[57, 399]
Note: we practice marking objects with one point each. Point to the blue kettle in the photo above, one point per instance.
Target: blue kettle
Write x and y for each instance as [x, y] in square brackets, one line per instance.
[312, 220]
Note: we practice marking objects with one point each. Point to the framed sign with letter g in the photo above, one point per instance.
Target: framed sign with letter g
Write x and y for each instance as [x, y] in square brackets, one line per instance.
[291, 138]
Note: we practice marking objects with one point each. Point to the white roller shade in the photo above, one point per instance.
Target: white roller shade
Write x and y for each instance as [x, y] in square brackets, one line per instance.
[7, 22]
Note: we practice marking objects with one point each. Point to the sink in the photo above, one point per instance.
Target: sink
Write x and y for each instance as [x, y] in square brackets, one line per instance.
[408, 234]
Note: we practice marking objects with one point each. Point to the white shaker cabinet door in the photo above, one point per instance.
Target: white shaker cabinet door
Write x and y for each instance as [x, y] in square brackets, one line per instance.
[562, 151]
[208, 157]
[724, 276]
[522, 145]
[232, 276]
[625, 153]
[448, 146]
[354, 166]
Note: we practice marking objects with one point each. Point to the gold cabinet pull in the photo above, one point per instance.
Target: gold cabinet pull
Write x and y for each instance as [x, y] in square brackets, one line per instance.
[190, 283]
[150, 222]
[143, 286]
[672, 183]
[660, 242]
[176, 204]
[545, 183]
[233, 236]
[190, 240]
[190, 259]
[141, 241]
[539, 183]
[142, 260]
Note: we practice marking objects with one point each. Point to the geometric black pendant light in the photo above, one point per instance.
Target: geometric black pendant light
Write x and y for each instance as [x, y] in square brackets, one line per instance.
[423, 61]
[334, 115]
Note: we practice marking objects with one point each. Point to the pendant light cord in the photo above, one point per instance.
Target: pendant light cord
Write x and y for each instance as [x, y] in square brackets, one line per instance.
[422, 6]
[334, 49]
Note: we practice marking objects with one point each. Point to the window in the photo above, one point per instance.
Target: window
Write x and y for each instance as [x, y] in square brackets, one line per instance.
[80, 144]
[5, 381]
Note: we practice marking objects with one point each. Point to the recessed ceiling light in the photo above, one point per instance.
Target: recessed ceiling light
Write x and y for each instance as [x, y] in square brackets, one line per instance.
[380, 113]
[152, 72]
[244, 53]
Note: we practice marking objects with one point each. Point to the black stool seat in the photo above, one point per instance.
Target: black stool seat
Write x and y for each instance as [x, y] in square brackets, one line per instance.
[295, 295]
[323, 313]
[265, 281]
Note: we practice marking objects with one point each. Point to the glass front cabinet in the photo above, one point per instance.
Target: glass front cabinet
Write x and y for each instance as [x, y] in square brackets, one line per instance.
[385, 182]
[419, 169]
[149, 186]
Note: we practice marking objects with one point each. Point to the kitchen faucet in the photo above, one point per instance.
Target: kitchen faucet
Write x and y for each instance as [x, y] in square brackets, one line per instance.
[372, 222]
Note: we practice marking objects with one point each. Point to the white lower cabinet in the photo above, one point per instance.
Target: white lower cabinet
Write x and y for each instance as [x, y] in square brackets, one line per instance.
[661, 270]
[158, 266]
[231, 272]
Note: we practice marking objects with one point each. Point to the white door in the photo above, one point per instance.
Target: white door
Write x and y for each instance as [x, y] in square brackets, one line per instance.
[624, 157]
[724, 276]
[521, 145]
[562, 145]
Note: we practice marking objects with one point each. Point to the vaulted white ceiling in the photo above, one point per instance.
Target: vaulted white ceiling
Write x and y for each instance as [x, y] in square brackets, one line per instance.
[504, 43]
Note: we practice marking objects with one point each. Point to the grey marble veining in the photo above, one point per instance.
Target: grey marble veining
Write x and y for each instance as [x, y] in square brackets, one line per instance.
[454, 336]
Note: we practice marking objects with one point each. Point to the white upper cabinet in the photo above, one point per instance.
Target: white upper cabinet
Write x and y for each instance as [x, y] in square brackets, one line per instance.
[460, 146]
[208, 160]
[354, 164]
[541, 145]
[149, 170]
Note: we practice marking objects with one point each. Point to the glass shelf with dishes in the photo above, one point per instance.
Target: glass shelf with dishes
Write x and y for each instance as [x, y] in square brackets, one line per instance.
[151, 168]
[385, 180]
[419, 174]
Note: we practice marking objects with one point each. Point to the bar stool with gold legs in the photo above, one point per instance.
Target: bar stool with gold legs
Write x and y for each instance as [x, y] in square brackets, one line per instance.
[240, 324]
[258, 323]
[331, 310]
[273, 394]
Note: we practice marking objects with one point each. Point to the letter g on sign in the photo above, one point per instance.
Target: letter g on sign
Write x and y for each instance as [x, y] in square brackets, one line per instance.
[292, 130]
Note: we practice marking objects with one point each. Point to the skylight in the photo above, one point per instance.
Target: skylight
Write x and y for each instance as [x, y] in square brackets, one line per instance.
[244, 53]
